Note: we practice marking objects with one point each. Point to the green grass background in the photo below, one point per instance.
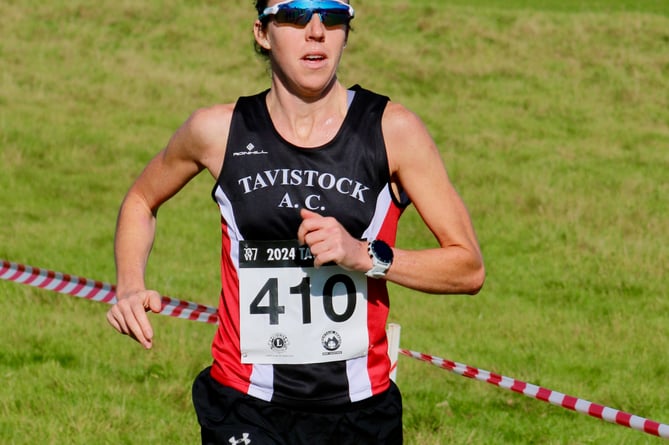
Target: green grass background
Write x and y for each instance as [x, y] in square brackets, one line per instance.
[553, 120]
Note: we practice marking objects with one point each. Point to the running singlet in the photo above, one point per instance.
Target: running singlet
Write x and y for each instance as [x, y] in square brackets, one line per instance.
[288, 332]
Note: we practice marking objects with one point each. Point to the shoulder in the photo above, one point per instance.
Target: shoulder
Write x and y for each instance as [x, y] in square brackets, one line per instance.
[406, 137]
[204, 135]
[397, 119]
[209, 123]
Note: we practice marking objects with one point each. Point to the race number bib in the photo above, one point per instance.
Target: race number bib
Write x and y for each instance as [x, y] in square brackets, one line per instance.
[293, 313]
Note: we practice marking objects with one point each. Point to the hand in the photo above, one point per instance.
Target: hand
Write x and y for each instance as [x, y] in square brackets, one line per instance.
[330, 242]
[128, 315]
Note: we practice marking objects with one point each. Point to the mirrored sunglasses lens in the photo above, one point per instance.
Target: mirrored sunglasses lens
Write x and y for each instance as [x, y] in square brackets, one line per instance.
[293, 16]
[335, 18]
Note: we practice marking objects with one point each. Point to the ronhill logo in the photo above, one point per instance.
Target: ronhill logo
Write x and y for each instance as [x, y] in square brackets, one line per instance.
[250, 151]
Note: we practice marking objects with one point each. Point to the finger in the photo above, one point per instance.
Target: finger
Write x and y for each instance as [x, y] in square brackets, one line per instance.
[111, 319]
[155, 302]
[140, 326]
[322, 248]
[322, 258]
[307, 214]
[310, 222]
[306, 227]
[133, 321]
[117, 320]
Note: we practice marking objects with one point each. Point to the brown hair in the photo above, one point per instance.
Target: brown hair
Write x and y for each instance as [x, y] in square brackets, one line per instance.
[260, 7]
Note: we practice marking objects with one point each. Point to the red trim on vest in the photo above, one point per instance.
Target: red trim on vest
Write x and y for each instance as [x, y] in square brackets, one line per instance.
[228, 329]
[378, 362]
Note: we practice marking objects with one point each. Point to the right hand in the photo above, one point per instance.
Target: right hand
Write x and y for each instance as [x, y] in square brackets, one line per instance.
[128, 315]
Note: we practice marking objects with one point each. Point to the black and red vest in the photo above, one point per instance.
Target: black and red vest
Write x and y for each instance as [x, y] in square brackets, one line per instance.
[264, 182]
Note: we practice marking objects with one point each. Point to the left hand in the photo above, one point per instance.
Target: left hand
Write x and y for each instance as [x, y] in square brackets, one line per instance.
[329, 241]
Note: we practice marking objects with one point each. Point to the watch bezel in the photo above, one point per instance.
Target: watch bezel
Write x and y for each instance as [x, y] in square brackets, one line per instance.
[382, 258]
[382, 251]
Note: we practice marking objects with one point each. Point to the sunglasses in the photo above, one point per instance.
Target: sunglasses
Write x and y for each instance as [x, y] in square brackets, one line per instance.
[300, 12]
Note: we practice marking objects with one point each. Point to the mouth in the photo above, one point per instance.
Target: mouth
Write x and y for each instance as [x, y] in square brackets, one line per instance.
[314, 58]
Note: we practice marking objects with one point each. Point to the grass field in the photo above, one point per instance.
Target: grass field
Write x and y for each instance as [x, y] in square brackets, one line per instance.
[553, 119]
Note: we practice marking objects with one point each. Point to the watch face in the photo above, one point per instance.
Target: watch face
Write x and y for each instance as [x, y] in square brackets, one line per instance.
[383, 251]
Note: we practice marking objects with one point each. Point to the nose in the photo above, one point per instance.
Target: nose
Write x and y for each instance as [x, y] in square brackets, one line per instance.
[315, 30]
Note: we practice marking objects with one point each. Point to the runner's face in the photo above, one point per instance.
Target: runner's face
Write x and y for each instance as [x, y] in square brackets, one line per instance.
[303, 56]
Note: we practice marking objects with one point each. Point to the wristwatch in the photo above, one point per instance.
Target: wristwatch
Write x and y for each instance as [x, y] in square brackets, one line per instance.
[382, 257]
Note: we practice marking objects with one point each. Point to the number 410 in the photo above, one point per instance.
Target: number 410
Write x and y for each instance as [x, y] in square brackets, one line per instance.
[303, 289]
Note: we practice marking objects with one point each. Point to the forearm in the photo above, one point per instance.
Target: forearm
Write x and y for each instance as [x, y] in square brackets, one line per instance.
[450, 270]
[135, 231]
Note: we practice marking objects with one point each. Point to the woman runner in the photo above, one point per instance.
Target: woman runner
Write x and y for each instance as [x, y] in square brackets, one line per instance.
[311, 178]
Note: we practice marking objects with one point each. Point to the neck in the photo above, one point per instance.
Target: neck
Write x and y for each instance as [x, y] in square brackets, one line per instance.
[307, 120]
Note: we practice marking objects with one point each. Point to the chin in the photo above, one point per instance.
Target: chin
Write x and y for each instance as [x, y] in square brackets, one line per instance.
[318, 85]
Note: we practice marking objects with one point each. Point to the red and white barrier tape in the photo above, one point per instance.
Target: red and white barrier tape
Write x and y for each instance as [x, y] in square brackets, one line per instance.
[98, 291]
[547, 395]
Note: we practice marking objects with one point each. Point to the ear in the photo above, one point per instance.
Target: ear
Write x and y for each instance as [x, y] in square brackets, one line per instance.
[260, 34]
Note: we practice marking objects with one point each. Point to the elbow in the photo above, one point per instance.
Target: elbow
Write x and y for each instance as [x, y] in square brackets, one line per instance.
[476, 280]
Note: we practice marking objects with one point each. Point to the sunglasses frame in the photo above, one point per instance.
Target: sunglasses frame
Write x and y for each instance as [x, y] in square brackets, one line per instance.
[306, 14]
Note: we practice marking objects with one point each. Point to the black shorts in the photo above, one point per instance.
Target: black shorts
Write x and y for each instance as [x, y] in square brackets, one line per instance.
[227, 416]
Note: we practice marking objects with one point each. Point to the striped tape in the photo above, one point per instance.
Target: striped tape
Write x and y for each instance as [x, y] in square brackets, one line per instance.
[97, 291]
[104, 292]
[547, 395]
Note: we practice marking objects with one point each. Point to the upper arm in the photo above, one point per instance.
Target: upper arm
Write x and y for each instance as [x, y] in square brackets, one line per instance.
[198, 144]
[417, 167]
